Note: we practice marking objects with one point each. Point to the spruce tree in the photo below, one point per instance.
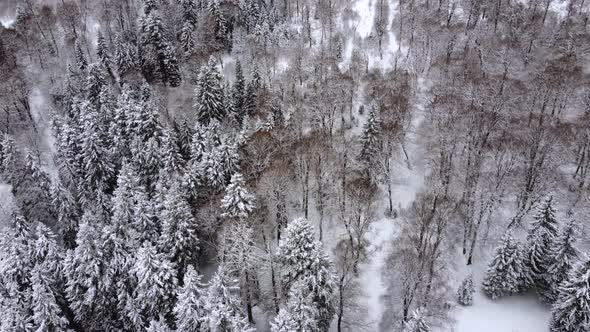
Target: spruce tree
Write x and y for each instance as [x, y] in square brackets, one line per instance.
[15, 276]
[156, 282]
[223, 306]
[303, 261]
[190, 312]
[505, 273]
[179, 237]
[283, 322]
[238, 93]
[238, 202]
[571, 311]
[83, 268]
[371, 141]
[563, 256]
[540, 240]
[80, 57]
[466, 291]
[47, 315]
[102, 50]
[209, 94]
[417, 323]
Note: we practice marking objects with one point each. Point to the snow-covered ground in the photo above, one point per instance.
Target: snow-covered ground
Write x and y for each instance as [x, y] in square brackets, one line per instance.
[518, 313]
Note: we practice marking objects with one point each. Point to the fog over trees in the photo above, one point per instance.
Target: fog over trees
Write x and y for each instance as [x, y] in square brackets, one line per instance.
[292, 165]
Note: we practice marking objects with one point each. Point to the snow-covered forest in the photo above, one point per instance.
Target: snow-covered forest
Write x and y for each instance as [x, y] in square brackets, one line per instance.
[295, 165]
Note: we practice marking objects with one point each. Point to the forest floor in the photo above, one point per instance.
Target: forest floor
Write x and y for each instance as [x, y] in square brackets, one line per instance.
[518, 313]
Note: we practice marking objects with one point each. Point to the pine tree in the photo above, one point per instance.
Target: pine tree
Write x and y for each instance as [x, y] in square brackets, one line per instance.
[238, 93]
[505, 273]
[82, 267]
[98, 169]
[191, 315]
[371, 141]
[540, 239]
[46, 254]
[563, 256]
[300, 309]
[302, 260]
[15, 271]
[241, 260]
[156, 282]
[283, 322]
[172, 161]
[149, 6]
[251, 93]
[179, 237]
[186, 38]
[209, 94]
[571, 311]
[159, 60]
[237, 202]
[80, 57]
[223, 306]
[417, 323]
[102, 51]
[466, 291]
[159, 325]
[47, 315]
[66, 210]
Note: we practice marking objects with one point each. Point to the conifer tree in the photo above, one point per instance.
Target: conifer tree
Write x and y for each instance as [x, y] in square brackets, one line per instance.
[238, 92]
[102, 51]
[417, 323]
[156, 282]
[241, 260]
[303, 261]
[505, 273]
[283, 322]
[540, 240]
[300, 310]
[179, 237]
[209, 94]
[80, 57]
[563, 256]
[159, 60]
[47, 315]
[237, 202]
[223, 306]
[172, 161]
[82, 267]
[466, 291]
[15, 271]
[190, 312]
[371, 141]
[67, 214]
[571, 311]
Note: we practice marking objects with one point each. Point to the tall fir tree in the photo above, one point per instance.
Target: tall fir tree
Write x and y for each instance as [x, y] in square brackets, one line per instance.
[179, 236]
[417, 322]
[238, 202]
[371, 142]
[83, 268]
[80, 56]
[190, 312]
[47, 314]
[563, 256]
[540, 240]
[223, 306]
[15, 276]
[209, 94]
[504, 275]
[156, 283]
[238, 93]
[303, 261]
[571, 311]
